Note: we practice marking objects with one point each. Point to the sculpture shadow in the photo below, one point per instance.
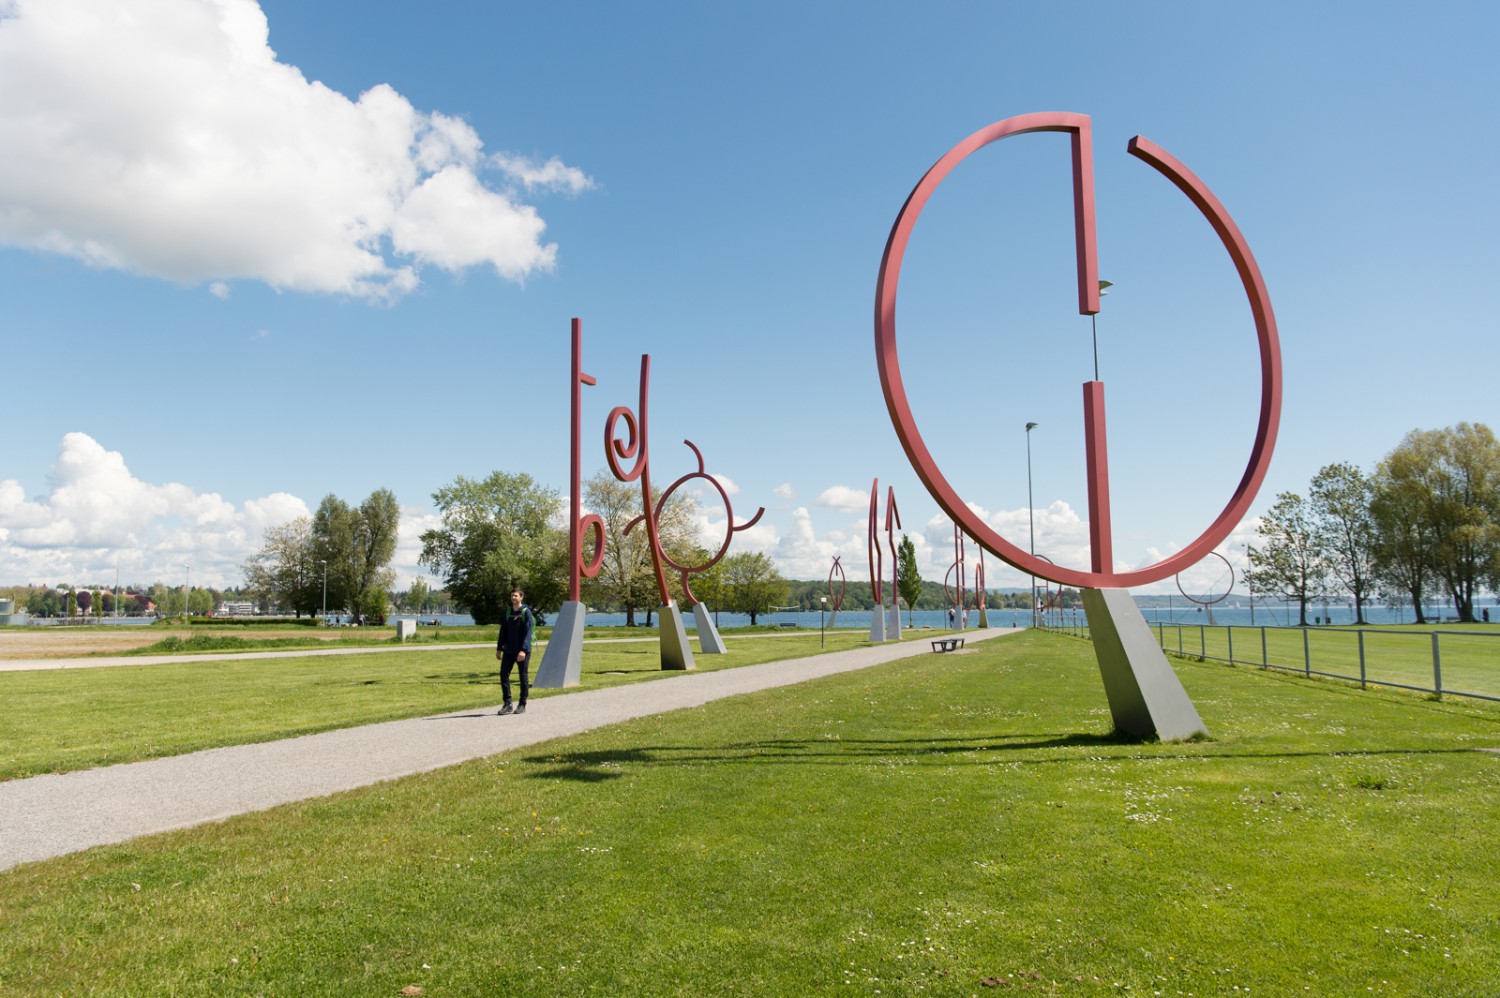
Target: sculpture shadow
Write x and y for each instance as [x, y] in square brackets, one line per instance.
[603, 765]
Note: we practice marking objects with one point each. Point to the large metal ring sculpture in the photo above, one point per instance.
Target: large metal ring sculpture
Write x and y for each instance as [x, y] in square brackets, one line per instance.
[1102, 576]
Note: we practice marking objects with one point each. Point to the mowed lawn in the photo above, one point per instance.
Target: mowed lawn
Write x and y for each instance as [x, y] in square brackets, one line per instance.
[67, 719]
[954, 824]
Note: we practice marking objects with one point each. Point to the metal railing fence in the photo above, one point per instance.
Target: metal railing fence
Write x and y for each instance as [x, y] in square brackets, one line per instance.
[1443, 662]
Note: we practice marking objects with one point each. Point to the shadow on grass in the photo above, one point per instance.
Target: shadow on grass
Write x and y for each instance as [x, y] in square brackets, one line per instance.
[597, 767]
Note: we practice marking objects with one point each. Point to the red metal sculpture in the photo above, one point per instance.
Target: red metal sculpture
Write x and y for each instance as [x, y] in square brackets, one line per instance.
[578, 525]
[636, 445]
[837, 601]
[892, 522]
[1100, 574]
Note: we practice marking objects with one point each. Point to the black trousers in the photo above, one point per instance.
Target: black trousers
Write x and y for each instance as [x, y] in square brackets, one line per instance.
[507, 663]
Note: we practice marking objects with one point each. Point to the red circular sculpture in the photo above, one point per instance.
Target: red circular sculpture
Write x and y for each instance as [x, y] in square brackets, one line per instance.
[1078, 128]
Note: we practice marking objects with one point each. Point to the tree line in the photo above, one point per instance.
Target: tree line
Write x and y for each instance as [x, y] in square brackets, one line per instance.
[1425, 523]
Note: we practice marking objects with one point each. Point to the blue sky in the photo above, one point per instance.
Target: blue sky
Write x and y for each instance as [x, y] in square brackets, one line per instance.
[240, 271]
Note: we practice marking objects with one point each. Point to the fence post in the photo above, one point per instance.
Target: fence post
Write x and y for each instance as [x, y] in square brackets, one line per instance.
[1306, 654]
[1437, 665]
[1362, 660]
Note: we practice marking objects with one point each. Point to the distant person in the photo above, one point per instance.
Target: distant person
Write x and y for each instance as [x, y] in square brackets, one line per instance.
[1486, 615]
[513, 647]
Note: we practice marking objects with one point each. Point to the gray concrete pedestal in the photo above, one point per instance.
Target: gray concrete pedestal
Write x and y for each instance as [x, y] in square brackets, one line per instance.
[709, 641]
[562, 662]
[1145, 696]
[676, 653]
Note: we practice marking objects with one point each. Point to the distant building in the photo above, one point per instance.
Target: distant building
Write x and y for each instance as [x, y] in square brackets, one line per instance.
[235, 608]
[9, 616]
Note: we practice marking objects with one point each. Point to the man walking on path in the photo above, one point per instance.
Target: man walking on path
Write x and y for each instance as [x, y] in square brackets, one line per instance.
[513, 648]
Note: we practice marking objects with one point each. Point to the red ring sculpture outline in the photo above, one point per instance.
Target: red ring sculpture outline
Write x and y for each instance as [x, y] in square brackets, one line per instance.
[1078, 127]
[838, 601]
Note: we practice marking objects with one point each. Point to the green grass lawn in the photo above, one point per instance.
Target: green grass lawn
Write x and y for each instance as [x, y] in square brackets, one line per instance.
[945, 825]
[65, 719]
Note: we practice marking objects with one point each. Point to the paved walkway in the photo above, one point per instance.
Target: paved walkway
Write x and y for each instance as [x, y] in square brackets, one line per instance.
[46, 816]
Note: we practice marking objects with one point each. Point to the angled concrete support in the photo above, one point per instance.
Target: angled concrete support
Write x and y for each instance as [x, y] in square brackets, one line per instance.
[709, 641]
[877, 624]
[562, 662]
[1145, 696]
[893, 622]
[676, 653]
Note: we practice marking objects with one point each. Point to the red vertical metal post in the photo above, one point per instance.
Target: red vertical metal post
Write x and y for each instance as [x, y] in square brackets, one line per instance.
[1100, 543]
[576, 381]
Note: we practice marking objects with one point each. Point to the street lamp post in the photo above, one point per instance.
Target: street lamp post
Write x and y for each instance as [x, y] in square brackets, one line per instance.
[1031, 516]
[186, 589]
[325, 593]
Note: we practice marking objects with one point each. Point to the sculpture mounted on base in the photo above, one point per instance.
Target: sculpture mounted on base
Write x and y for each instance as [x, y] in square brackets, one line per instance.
[1145, 695]
[562, 662]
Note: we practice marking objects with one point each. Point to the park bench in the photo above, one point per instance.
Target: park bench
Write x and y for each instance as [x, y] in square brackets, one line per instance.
[947, 644]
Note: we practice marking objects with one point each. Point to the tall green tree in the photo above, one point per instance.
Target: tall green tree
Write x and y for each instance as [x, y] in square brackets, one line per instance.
[497, 535]
[1340, 498]
[286, 571]
[1290, 563]
[1401, 510]
[1466, 508]
[358, 543]
[754, 584]
[908, 576]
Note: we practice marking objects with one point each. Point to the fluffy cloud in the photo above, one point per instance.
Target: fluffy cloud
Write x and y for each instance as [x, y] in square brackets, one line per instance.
[163, 137]
[843, 497]
[96, 517]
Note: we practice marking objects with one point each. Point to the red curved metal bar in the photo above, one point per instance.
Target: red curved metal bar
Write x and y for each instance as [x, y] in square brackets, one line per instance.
[578, 526]
[637, 446]
[661, 503]
[888, 362]
[872, 546]
[893, 515]
[838, 601]
[979, 581]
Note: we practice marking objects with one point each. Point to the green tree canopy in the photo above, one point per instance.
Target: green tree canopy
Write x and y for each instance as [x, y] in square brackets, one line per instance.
[908, 576]
[754, 584]
[357, 543]
[1340, 504]
[287, 572]
[1290, 563]
[497, 535]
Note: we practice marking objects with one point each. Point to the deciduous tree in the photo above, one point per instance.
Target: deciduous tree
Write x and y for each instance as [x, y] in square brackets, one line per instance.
[357, 543]
[497, 534]
[908, 576]
[754, 584]
[1340, 501]
[286, 571]
[1290, 563]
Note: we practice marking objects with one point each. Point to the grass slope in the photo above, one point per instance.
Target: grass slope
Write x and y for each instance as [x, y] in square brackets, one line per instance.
[947, 825]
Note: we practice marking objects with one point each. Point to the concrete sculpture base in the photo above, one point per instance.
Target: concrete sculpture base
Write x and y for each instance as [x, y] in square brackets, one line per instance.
[676, 653]
[709, 641]
[984, 617]
[893, 622]
[1145, 696]
[562, 662]
[877, 624]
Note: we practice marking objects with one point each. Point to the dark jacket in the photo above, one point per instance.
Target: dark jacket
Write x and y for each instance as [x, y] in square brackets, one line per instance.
[515, 631]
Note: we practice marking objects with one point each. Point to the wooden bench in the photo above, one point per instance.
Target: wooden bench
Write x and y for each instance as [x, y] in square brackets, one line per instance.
[947, 644]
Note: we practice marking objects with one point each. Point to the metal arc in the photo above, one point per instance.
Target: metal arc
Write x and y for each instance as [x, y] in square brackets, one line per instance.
[888, 362]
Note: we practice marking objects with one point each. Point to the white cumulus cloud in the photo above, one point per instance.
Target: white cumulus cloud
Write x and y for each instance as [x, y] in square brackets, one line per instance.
[844, 497]
[165, 138]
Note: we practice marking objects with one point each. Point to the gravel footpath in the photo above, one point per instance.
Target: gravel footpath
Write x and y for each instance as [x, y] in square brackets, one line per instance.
[46, 816]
